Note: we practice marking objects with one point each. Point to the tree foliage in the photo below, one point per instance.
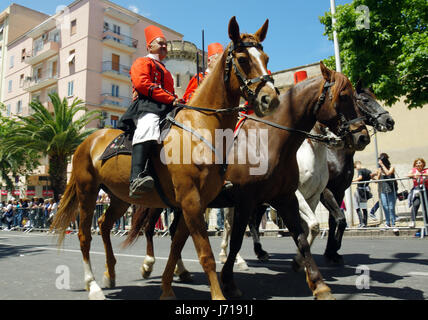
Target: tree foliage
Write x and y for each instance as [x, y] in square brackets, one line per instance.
[391, 55]
[55, 135]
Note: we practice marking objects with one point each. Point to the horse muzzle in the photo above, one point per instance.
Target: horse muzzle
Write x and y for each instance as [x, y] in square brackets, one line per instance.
[266, 103]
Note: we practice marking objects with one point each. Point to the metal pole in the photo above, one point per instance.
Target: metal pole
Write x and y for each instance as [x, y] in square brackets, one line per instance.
[348, 193]
[203, 52]
[336, 42]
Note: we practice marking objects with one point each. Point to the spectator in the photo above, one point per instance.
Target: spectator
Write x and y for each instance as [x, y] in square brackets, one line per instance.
[220, 218]
[53, 207]
[388, 189]
[362, 192]
[420, 177]
[8, 215]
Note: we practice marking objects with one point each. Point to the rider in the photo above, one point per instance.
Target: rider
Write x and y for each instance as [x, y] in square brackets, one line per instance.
[153, 98]
[214, 52]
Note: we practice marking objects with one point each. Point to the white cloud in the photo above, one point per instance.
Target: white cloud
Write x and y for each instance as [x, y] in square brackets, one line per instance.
[133, 8]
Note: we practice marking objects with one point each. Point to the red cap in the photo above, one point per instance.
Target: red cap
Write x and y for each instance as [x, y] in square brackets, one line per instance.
[214, 48]
[300, 76]
[152, 32]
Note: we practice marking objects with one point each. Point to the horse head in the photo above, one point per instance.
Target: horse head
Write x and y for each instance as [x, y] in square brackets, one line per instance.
[338, 110]
[376, 116]
[246, 69]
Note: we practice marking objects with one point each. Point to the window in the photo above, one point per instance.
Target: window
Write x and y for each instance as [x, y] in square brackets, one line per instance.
[23, 54]
[106, 26]
[19, 107]
[116, 29]
[9, 87]
[115, 62]
[8, 110]
[113, 121]
[21, 80]
[70, 88]
[177, 80]
[72, 61]
[114, 90]
[12, 58]
[73, 27]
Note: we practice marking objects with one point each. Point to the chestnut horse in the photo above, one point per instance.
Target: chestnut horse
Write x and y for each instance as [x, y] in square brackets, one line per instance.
[328, 99]
[241, 72]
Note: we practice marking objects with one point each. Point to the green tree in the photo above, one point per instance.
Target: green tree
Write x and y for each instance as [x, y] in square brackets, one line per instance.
[390, 52]
[13, 162]
[54, 135]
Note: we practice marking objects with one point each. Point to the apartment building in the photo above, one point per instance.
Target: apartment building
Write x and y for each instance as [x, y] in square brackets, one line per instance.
[84, 51]
[15, 20]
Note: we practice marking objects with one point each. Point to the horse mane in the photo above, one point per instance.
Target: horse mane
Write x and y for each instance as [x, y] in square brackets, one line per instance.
[219, 66]
[341, 83]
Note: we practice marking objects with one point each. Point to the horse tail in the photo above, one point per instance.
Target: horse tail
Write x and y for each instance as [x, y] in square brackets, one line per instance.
[139, 218]
[67, 210]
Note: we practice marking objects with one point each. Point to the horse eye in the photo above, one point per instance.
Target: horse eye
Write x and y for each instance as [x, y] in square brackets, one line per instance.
[365, 100]
[242, 60]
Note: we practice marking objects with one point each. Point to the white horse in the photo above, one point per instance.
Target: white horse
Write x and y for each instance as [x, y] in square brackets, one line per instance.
[313, 179]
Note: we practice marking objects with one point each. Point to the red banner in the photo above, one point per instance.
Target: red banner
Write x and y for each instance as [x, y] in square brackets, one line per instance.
[30, 192]
[4, 192]
[47, 193]
[16, 192]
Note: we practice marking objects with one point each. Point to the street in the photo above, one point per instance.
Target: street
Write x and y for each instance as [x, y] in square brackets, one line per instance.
[375, 268]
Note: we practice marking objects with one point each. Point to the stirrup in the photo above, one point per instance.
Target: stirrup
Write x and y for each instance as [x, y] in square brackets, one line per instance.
[141, 185]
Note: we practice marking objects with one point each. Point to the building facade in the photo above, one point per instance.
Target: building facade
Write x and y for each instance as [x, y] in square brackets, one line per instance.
[84, 51]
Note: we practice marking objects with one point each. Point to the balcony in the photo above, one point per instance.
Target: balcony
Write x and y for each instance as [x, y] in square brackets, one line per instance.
[36, 83]
[42, 51]
[120, 41]
[115, 70]
[110, 101]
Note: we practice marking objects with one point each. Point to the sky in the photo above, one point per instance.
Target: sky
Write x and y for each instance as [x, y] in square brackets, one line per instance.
[294, 38]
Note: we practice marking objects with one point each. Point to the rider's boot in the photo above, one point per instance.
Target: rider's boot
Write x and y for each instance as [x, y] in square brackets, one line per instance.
[140, 180]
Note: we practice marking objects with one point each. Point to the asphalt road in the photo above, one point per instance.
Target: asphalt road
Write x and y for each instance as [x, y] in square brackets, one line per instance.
[379, 268]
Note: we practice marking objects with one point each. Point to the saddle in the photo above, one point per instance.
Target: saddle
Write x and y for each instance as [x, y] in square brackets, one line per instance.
[122, 144]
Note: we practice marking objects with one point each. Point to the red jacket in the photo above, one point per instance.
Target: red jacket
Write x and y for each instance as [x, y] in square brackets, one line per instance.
[151, 79]
[191, 87]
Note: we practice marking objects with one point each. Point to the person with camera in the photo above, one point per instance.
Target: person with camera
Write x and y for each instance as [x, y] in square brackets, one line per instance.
[419, 174]
[362, 193]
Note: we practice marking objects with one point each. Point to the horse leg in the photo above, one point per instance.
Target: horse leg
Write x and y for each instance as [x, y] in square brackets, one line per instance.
[194, 218]
[289, 211]
[180, 270]
[254, 224]
[238, 230]
[178, 242]
[310, 226]
[116, 210]
[149, 259]
[228, 222]
[87, 199]
[337, 226]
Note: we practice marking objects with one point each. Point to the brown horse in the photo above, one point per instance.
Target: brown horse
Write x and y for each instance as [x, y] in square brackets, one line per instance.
[330, 100]
[187, 185]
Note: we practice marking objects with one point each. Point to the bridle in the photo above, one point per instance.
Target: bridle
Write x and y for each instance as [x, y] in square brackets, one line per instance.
[343, 128]
[371, 116]
[244, 83]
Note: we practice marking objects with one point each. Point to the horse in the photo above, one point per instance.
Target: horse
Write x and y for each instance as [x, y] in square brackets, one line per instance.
[334, 167]
[189, 184]
[328, 99]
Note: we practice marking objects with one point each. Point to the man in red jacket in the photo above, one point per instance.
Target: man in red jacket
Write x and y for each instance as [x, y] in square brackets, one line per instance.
[153, 98]
[214, 52]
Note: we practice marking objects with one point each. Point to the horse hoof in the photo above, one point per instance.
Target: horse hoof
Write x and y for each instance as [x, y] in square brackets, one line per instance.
[108, 282]
[323, 293]
[186, 277]
[168, 296]
[145, 273]
[95, 292]
[243, 266]
[334, 259]
[263, 256]
[231, 291]
[222, 258]
[296, 266]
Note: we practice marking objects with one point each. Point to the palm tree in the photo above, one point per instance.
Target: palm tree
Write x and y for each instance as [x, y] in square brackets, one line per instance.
[54, 135]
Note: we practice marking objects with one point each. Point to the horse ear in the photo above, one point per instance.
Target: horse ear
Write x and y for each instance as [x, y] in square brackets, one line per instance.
[326, 72]
[234, 34]
[359, 86]
[261, 33]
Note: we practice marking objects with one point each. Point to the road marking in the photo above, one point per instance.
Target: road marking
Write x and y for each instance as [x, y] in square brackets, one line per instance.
[417, 273]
